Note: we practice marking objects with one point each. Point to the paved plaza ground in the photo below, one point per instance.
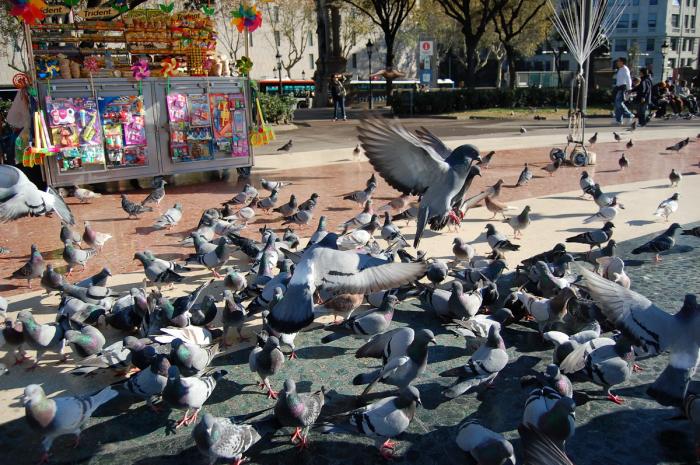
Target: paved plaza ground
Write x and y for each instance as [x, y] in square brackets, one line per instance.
[637, 432]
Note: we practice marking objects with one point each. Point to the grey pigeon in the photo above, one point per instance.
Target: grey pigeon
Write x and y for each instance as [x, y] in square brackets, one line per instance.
[73, 256]
[552, 414]
[594, 238]
[244, 196]
[150, 383]
[486, 447]
[326, 269]
[452, 304]
[67, 234]
[88, 341]
[481, 369]
[220, 438]
[41, 337]
[539, 448]
[525, 176]
[33, 268]
[94, 239]
[400, 368]
[98, 279]
[522, 130]
[267, 361]
[601, 198]
[234, 281]
[133, 209]
[471, 277]
[661, 243]
[95, 295]
[617, 137]
[674, 178]
[204, 312]
[623, 162]
[313, 199]
[157, 194]
[519, 222]
[366, 324]
[361, 218]
[383, 419]
[552, 168]
[19, 197]
[298, 410]
[361, 196]
[170, 218]
[189, 393]
[289, 208]
[653, 330]
[233, 316]
[157, 271]
[593, 139]
[630, 144]
[274, 185]
[217, 257]
[691, 232]
[678, 145]
[60, 415]
[462, 250]
[191, 359]
[478, 326]
[486, 160]
[302, 217]
[389, 230]
[586, 183]
[12, 337]
[553, 378]
[269, 202]
[286, 147]
[436, 272]
[667, 207]
[320, 232]
[414, 167]
[498, 241]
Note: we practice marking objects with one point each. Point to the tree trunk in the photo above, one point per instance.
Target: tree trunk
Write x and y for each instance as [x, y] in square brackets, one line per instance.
[557, 65]
[510, 58]
[499, 73]
[470, 62]
[389, 65]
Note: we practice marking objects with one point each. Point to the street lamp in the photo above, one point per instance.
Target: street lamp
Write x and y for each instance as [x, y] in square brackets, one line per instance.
[303, 75]
[369, 77]
[664, 52]
[279, 70]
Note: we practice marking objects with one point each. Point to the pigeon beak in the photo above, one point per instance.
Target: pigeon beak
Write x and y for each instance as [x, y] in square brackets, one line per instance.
[433, 341]
[621, 206]
[419, 402]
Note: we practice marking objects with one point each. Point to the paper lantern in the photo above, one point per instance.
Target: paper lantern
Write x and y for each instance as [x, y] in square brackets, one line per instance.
[169, 67]
[140, 69]
[31, 11]
[246, 17]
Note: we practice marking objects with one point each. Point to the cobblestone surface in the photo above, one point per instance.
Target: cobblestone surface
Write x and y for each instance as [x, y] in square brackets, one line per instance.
[637, 432]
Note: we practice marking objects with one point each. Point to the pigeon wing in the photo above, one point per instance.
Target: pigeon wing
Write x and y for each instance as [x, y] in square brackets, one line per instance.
[434, 142]
[60, 206]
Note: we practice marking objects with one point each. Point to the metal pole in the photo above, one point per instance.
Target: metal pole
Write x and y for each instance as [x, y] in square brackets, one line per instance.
[369, 78]
[279, 71]
[587, 66]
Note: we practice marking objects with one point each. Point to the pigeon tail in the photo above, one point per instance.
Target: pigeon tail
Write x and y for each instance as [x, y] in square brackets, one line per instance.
[671, 386]
[423, 215]
[102, 397]
[332, 337]
[366, 378]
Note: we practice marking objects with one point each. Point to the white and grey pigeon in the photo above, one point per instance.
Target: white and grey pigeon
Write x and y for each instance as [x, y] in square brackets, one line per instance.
[607, 213]
[320, 232]
[267, 361]
[94, 239]
[452, 304]
[525, 176]
[366, 324]
[481, 369]
[60, 415]
[157, 194]
[74, 256]
[486, 447]
[170, 218]
[19, 197]
[274, 185]
[220, 438]
[414, 167]
[653, 330]
[189, 393]
[586, 183]
[85, 195]
[667, 207]
[158, 271]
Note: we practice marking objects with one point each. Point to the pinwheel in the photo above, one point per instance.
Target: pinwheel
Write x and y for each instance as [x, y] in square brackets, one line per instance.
[243, 65]
[91, 65]
[140, 71]
[31, 11]
[247, 17]
[168, 69]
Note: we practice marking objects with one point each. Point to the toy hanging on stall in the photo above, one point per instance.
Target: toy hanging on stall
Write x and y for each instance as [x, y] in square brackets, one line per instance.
[31, 11]
[168, 69]
[247, 17]
[140, 71]
[91, 65]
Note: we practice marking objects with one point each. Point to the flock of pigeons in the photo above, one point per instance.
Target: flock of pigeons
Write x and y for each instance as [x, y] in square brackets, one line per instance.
[168, 344]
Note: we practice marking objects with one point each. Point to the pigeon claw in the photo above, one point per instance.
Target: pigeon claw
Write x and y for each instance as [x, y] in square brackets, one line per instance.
[271, 393]
[22, 359]
[636, 368]
[293, 356]
[296, 436]
[617, 399]
[44, 458]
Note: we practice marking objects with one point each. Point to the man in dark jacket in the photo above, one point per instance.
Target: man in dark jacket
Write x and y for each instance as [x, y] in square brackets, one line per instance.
[643, 98]
[338, 94]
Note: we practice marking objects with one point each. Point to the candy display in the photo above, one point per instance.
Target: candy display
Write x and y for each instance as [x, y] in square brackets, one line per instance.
[124, 126]
[75, 132]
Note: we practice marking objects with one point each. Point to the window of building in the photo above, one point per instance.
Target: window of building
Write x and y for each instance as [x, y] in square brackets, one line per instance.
[275, 14]
[634, 21]
[676, 2]
[312, 62]
[686, 42]
[624, 22]
[635, 2]
[651, 43]
[674, 44]
[354, 60]
[278, 39]
[686, 21]
[651, 21]
[653, 2]
[687, 2]
[692, 22]
[620, 45]
[691, 45]
[675, 20]
[695, 3]
[672, 62]
[310, 39]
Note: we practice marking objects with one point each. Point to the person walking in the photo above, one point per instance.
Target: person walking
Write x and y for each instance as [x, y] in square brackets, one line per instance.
[623, 83]
[643, 97]
[338, 95]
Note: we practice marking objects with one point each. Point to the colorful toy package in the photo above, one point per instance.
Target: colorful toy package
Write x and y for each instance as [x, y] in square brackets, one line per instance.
[123, 123]
[239, 146]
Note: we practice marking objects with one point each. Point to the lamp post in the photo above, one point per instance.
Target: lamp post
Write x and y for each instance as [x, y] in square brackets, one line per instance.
[303, 75]
[369, 77]
[664, 52]
[279, 70]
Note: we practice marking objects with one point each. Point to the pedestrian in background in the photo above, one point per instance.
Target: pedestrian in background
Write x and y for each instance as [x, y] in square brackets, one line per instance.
[338, 95]
[623, 83]
[643, 97]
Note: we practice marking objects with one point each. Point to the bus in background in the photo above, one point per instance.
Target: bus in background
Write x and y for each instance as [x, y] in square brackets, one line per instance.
[302, 89]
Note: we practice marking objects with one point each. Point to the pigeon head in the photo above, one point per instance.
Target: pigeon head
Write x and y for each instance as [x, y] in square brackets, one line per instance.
[457, 241]
[425, 336]
[473, 172]
[502, 315]
[173, 372]
[410, 394]
[289, 386]
[33, 393]
[673, 228]
[208, 420]
[177, 342]
[494, 452]
[674, 196]
[390, 301]
[463, 155]
[584, 174]
[608, 225]
[494, 338]
[161, 365]
[499, 265]
[457, 287]
[177, 206]
[141, 256]
[272, 343]
[490, 229]
[552, 371]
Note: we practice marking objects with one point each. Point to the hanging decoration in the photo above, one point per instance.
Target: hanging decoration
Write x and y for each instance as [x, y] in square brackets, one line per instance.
[140, 71]
[34, 154]
[168, 69]
[246, 17]
[122, 6]
[167, 7]
[30, 11]
[91, 65]
[243, 66]
[208, 10]
[71, 3]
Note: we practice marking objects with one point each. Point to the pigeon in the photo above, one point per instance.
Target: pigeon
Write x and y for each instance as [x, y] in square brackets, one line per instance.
[552, 415]
[691, 232]
[94, 239]
[32, 269]
[19, 197]
[593, 139]
[594, 238]
[390, 232]
[286, 147]
[150, 382]
[306, 204]
[274, 185]
[519, 222]
[268, 202]
[634, 124]
[674, 178]
[667, 207]
[233, 316]
[189, 393]
[436, 272]
[60, 415]
[452, 304]
[613, 268]
[486, 160]
[483, 445]
[546, 310]
[133, 209]
[629, 144]
[88, 341]
[652, 329]
[234, 281]
[267, 361]
[383, 419]
[244, 196]
[522, 130]
[525, 176]
[601, 199]
[73, 256]
[660, 243]
[607, 213]
[364, 325]
[398, 204]
[498, 241]
[617, 137]
[180, 311]
[623, 162]
[678, 145]
[548, 256]
[586, 183]
[302, 217]
[356, 152]
[551, 168]
[191, 359]
[413, 167]
[85, 195]
[298, 410]
[364, 217]
[170, 218]
[158, 271]
[478, 326]
[496, 207]
[481, 369]
[217, 257]
[361, 196]
[289, 208]
[220, 438]
[470, 277]
[157, 194]
[67, 234]
[323, 268]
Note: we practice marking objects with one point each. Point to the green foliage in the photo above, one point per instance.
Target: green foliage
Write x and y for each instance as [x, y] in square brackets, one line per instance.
[277, 109]
[449, 101]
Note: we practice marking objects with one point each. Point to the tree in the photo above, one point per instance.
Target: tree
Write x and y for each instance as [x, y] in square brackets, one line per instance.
[12, 39]
[474, 17]
[354, 26]
[389, 15]
[228, 36]
[555, 43]
[292, 22]
[524, 20]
